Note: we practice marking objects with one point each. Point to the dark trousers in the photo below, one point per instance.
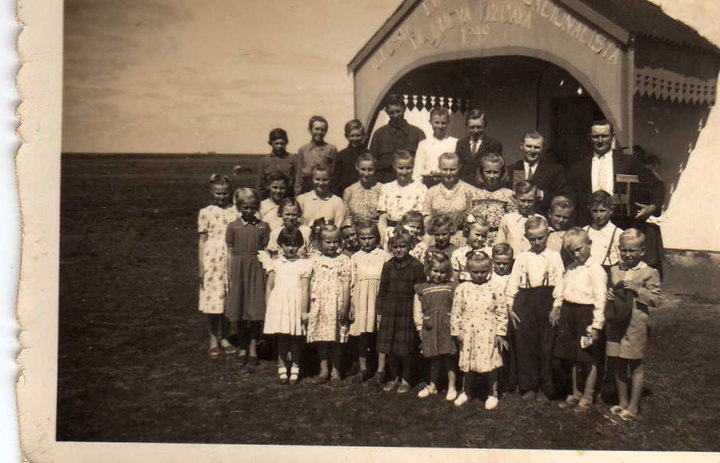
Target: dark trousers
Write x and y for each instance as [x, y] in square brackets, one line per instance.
[533, 339]
[331, 351]
[248, 330]
[442, 364]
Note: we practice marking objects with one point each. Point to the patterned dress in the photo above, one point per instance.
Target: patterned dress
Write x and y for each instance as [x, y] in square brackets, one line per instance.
[492, 206]
[284, 307]
[479, 313]
[246, 291]
[365, 270]
[455, 202]
[396, 335]
[326, 298]
[213, 221]
[361, 203]
[433, 305]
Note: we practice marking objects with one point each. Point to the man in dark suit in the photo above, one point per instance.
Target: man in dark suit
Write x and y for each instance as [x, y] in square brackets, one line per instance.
[477, 144]
[547, 176]
[613, 171]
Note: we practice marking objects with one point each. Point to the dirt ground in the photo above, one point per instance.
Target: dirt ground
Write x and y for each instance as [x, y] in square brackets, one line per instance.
[133, 364]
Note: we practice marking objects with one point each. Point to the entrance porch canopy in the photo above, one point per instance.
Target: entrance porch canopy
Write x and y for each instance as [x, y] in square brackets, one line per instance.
[618, 50]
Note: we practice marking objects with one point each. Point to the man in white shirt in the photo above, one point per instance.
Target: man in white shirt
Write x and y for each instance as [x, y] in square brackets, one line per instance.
[599, 172]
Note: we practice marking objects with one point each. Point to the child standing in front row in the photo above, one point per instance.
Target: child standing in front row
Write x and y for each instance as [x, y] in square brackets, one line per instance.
[604, 235]
[212, 263]
[503, 260]
[534, 276]
[475, 231]
[245, 303]
[365, 269]
[582, 291]
[433, 304]
[396, 334]
[634, 288]
[288, 298]
[328, 320]
[479, 322]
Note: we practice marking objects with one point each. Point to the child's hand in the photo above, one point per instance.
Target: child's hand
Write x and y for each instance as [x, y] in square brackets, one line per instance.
[501, 343]
[594, 334]
[427, 324]
[419, 332]
[304, 317]
[201, 275]
[514, 319]
[644, 211]
[610, 294]
[378, 317]
[554, 316]
[459, 340]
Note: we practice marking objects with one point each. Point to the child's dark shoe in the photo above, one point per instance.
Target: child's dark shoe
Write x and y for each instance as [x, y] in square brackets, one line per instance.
[318, 379]
[379, 378]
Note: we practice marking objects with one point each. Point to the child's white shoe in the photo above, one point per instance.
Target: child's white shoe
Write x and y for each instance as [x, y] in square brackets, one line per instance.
[451, 395]
[427, 391]
[462, 399]
[491, 403]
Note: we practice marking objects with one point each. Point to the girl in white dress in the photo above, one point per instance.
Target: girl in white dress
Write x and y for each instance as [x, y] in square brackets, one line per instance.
[479, 322]
[287, 301]
[212, 260]
[365, 269]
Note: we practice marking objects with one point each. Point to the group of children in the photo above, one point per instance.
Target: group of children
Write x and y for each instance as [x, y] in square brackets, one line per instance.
[519, 298]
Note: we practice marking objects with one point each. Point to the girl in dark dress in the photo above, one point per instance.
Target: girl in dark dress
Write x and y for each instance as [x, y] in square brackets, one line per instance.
[396, 335]
[245, 302]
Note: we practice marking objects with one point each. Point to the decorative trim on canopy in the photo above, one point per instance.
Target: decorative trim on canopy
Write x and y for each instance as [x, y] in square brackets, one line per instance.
[668, 85]
[453, 104]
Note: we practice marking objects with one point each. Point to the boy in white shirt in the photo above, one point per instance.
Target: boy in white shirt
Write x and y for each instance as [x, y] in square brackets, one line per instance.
[429, 150]
[530, 298]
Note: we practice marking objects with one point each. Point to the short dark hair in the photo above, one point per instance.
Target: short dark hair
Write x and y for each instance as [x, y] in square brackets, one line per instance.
[394, 99]
[278, 134]
[315, 119]
[290, 236]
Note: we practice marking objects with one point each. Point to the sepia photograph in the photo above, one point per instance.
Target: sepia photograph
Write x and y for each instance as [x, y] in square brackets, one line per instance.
[380, 224]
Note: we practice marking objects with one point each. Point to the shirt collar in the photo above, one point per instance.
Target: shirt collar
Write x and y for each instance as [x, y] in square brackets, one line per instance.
[314, 196]
[640, 265]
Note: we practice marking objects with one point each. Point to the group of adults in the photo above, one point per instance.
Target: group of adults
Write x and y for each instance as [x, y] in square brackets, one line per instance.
[632, 181]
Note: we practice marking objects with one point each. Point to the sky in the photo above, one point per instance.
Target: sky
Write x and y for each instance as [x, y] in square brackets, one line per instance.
[182, 76]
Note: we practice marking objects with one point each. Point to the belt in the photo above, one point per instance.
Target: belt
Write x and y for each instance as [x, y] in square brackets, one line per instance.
[392, 223]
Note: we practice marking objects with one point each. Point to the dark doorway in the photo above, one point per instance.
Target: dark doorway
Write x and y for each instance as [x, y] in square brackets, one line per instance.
[571, 121]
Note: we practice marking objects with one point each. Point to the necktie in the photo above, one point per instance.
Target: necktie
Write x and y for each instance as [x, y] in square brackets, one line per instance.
[531, 172]
[474, 146]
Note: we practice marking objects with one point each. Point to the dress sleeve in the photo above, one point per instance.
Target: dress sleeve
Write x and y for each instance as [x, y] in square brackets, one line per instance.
[307, 270]
[456, 313]
[230, 234]
[514, 281]
[382, 205]
[203, 221]
[264, 234]
[557, 269]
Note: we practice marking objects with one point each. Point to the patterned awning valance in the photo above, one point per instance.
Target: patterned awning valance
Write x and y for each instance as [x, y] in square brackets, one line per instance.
[420, 102]
[668, 85]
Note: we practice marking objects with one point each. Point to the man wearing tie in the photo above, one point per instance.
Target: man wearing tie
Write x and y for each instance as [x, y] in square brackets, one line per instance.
[477, 144]
[547, 176]
[600, 172]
